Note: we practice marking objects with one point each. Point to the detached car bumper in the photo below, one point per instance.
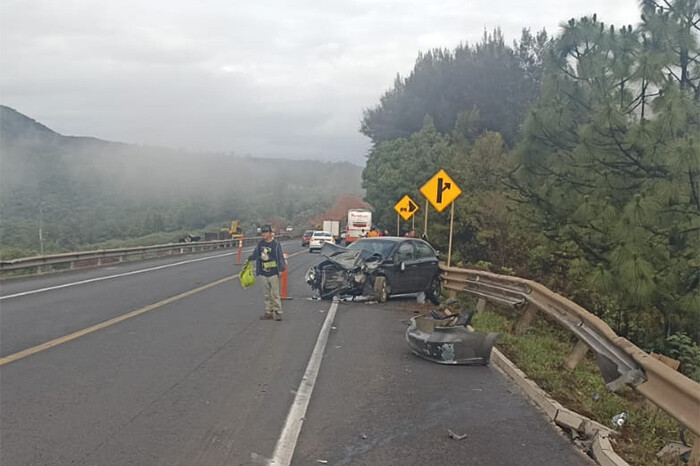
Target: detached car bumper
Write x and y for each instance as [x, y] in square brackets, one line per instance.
[430, 339]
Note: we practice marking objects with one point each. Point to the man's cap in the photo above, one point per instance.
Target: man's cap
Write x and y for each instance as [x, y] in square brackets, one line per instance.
[266, 229]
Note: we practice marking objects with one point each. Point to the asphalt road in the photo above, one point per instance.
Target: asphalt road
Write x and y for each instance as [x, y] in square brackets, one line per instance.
[197, 379]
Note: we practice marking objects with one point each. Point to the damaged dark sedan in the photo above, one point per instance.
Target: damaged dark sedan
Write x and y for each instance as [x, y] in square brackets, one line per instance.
[377, 268]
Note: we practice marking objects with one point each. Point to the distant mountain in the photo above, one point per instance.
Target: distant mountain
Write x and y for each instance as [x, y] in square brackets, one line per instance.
[14, 126]
[83, 190]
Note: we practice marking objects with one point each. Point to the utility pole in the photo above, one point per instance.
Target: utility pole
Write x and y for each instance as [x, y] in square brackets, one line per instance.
[41, 233]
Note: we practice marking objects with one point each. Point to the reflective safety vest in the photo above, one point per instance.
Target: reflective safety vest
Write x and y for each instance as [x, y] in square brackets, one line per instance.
[269, 265]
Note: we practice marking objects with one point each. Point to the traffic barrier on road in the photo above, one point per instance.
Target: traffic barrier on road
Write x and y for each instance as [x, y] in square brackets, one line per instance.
[284, 278]
[620, 361]
[87, 259]
[240, 251]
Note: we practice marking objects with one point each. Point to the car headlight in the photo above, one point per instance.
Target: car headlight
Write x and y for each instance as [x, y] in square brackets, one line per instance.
[310, 276]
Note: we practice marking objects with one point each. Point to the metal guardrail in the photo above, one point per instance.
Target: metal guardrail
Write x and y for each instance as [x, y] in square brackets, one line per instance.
[77, 260]
[620, 361]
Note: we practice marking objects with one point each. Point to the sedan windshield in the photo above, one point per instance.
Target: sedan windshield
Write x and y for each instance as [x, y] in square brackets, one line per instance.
[373, 246]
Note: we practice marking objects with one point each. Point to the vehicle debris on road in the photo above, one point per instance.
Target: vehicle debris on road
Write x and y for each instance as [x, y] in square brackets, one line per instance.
[445, 336]
[456, 436]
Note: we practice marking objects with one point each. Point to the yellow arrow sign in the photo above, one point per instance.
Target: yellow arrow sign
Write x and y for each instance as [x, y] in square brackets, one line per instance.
[441, 190]
[406, 208]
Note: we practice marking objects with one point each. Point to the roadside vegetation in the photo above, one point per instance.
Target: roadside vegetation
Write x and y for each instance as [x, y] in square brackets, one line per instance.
[540, 353]
[579, 158]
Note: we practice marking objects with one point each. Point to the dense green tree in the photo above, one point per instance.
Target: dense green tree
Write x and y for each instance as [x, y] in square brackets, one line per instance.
[492, 77]
[610, 166]
[401, 166]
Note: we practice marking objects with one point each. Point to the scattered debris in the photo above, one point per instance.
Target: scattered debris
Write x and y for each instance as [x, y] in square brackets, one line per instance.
[334, 328]
[596, 397]
[456, 436]
[420, 299]
[477, 390]
[618, 420]
[363, 436]
[673, 452]
[322, 461]
[259, 459]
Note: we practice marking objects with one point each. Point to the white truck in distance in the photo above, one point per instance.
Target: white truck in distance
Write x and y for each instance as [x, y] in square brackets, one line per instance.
[334, 227]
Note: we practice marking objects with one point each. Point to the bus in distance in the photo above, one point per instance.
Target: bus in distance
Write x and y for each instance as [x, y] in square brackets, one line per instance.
[359, 224]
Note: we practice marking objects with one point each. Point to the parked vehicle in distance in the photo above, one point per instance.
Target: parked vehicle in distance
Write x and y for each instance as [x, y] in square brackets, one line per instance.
[333, 226]
[306, 237]
[378, 267]
[318, 239]
[359, 224]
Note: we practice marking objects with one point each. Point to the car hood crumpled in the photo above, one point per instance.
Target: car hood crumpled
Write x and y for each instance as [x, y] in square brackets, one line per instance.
[348, 259]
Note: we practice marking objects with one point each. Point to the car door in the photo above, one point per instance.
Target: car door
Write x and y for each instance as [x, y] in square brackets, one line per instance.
[406, 269]
[426, 264]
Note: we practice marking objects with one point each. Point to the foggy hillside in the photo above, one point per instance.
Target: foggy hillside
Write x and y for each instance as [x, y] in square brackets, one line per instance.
[86, 190]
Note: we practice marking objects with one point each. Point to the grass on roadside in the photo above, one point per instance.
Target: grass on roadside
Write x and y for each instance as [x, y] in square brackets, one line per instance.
[540, 353]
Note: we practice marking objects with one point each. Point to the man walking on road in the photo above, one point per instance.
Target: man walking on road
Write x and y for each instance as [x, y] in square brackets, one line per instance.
[269, 263]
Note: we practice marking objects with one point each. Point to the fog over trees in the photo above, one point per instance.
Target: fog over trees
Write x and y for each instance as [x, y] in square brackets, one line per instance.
[83, 191]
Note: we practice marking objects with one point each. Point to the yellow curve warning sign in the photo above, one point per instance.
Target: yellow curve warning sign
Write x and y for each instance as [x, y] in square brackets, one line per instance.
[406, 208]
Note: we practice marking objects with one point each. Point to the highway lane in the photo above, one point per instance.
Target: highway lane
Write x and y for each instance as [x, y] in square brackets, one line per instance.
[377, 403]
[89, 297]
[202, 381]
[194, 382]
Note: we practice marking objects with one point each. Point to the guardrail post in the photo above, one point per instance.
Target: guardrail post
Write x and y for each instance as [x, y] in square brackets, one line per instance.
[695, 454]
[525, 319]
[481, 305]
[577, 354]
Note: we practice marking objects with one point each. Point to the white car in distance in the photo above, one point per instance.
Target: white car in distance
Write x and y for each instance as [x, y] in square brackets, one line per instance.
[318, 238]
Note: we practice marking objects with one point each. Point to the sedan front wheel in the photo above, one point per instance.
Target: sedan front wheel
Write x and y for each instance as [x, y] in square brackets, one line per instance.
[381, 289]
[434, 290]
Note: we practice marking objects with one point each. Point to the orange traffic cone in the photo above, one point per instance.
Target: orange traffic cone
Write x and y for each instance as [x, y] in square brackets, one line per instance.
[284, 279]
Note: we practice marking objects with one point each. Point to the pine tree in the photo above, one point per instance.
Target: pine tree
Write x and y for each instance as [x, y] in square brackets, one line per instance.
[610, 166]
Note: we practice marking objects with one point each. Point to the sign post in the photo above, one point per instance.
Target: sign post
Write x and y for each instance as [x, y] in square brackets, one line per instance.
[441, 191]
[405, 209]
[425, 225]
[449, 246]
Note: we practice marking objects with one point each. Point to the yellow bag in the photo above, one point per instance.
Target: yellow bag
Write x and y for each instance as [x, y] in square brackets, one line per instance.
[247, 276]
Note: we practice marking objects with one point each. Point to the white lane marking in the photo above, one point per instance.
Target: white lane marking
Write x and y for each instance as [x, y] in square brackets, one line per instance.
[284, 450]
[109, 277]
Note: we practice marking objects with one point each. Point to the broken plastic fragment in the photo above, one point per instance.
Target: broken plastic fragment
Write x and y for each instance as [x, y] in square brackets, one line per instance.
[456, 436]
[618, 420]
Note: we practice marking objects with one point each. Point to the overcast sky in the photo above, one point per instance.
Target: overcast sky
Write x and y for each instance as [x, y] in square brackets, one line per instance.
[259, 77]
